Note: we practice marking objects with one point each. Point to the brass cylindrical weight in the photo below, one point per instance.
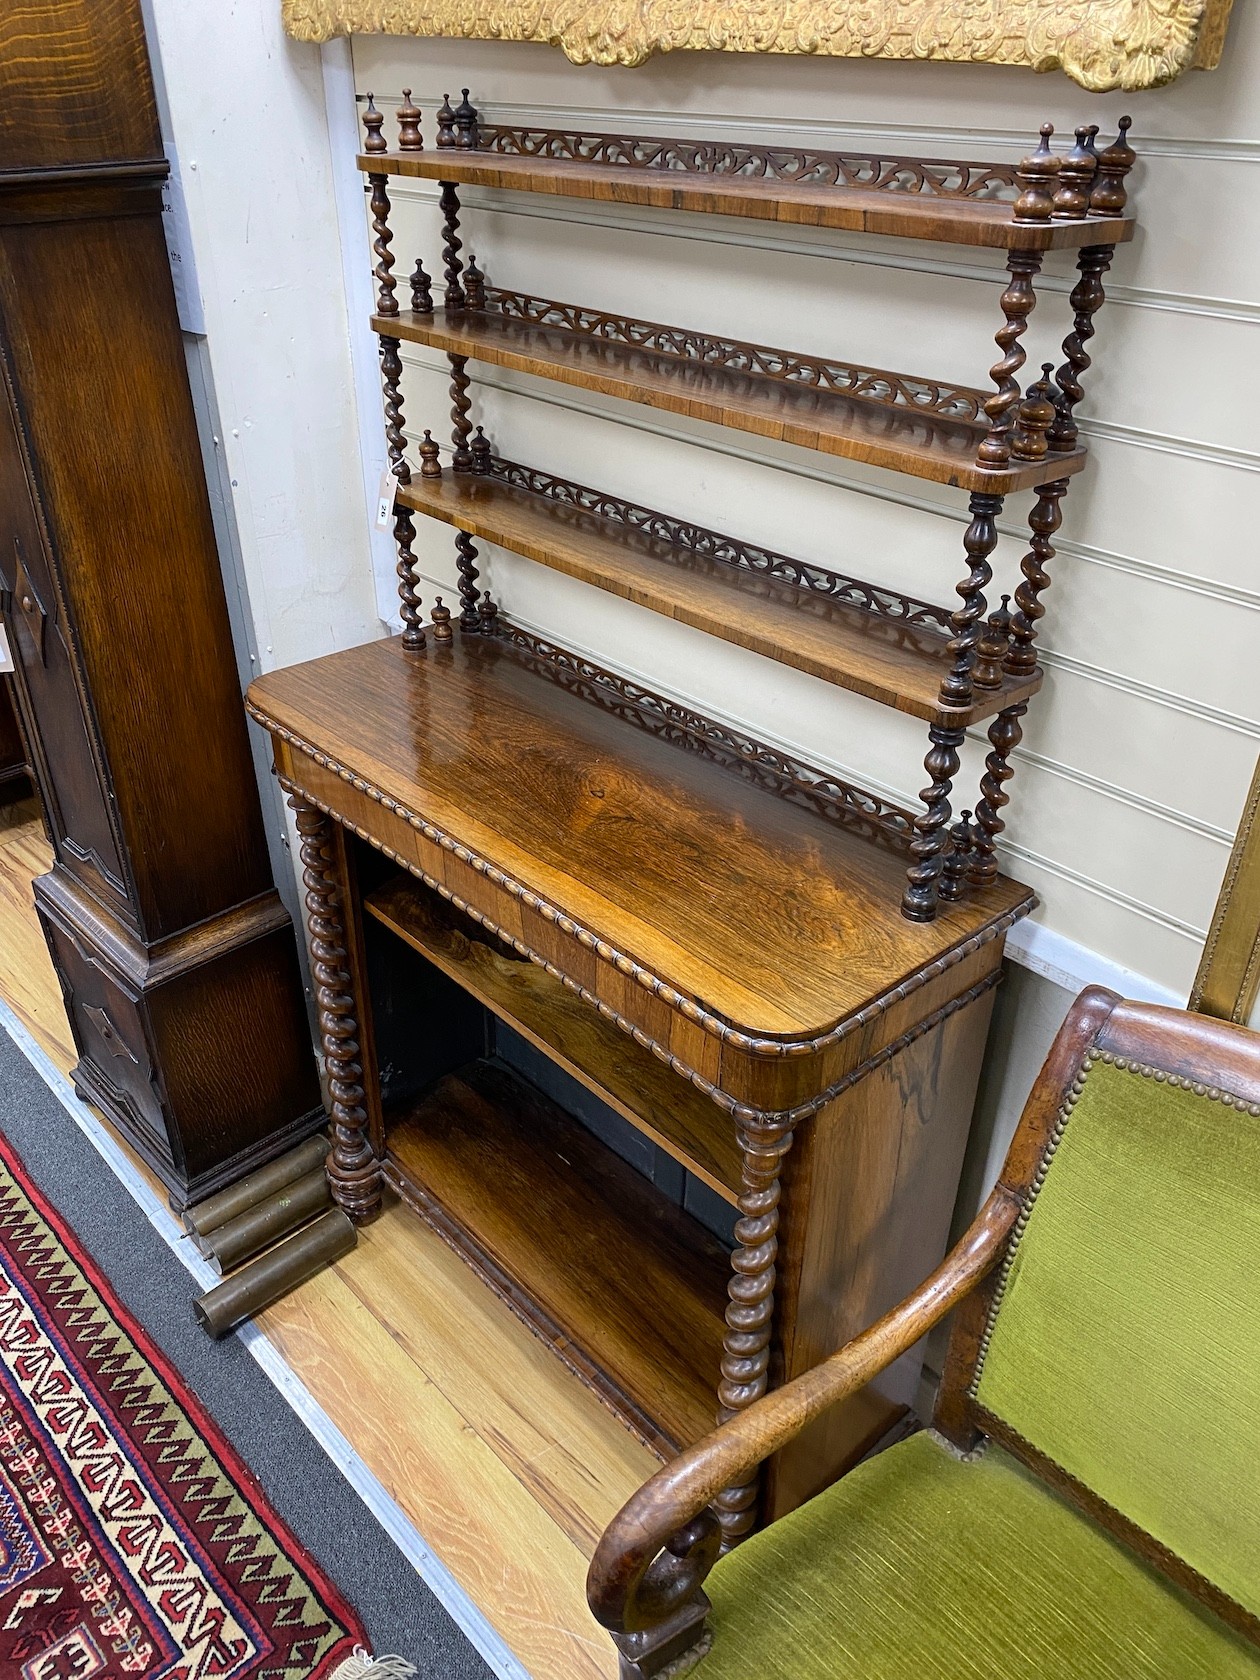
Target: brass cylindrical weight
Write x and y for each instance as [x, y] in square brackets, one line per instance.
[258, 1227]
[216, 1210]
[275, 1273]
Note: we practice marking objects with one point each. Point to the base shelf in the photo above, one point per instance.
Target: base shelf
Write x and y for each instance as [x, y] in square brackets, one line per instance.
[630, 1079]
[625, 1287]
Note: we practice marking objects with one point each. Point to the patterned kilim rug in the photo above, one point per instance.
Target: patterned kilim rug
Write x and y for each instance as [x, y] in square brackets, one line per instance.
[134, 1543]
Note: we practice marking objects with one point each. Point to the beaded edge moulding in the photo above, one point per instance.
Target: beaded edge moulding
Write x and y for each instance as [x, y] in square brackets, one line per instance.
[1101, 44]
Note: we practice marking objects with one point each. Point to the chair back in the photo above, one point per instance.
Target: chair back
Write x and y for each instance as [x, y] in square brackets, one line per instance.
[1119, 1348]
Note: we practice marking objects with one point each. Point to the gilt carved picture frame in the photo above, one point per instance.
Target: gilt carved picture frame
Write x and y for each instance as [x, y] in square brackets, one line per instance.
[1103, 45]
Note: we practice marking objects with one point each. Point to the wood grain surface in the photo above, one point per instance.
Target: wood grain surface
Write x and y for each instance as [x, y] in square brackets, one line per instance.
[75, 87]
[27, 981]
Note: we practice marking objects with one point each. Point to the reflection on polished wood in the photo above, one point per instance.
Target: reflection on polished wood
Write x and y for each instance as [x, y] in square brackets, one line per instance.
[507, 1465]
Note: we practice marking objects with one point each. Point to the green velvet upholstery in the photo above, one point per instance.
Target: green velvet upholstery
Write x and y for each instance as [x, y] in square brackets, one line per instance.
[1126, 1345]
[917, 1566]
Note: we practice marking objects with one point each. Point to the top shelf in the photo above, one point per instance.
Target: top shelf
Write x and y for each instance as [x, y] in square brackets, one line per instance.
[905, 198]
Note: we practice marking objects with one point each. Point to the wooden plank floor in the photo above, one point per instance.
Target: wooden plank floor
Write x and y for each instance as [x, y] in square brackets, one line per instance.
[508, 1467]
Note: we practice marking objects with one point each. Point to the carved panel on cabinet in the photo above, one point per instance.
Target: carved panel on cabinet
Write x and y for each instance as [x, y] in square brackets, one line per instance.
[110, 1036]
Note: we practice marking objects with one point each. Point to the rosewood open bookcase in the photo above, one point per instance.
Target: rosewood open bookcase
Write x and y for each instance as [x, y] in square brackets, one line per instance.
[781, 980]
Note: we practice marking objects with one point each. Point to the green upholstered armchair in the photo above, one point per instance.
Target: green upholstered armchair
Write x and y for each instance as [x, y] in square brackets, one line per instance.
[1087, 1504]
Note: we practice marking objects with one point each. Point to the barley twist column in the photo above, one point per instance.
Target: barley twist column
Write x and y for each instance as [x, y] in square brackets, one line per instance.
[1018, 301]
[1088, 298]
[354, 1173]
[1005, 734]
[931, 827]
[750, 1306]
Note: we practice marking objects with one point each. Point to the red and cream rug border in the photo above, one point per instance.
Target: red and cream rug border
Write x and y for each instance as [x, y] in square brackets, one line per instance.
[59, 1310]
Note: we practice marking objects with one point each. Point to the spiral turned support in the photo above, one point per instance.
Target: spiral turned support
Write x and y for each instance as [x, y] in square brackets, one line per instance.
[452, 245]
[391, 382]
[1005, 734]
[1044, 521]
[354, 1173]
[386, 285]
[1088, 297]
[979, 541]
[469, 594]
[408, 593]
[1018, 302]
[931, 827]
[461, 406]
[750, 1307]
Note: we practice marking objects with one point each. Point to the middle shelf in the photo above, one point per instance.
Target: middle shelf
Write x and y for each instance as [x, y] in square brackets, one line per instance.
[889, 647]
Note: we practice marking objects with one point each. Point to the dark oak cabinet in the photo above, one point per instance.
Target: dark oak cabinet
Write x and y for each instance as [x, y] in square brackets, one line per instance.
[176, 956]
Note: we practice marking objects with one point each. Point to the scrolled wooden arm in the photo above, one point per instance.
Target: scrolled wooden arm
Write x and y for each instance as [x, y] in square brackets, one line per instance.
[650, 1565]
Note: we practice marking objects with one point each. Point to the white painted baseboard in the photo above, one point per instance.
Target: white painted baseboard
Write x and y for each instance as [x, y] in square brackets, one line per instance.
[1074, 966]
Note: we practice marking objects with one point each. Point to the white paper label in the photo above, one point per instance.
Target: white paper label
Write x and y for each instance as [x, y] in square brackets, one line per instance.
[385, 501]
[6, 658]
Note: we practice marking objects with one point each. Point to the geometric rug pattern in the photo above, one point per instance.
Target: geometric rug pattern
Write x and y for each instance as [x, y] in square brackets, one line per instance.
[134, 1543]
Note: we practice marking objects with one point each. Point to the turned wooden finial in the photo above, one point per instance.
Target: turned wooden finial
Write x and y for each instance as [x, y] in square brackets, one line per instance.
[481, 451]
[1076, 176]
[466, 128]
[1036, 176]
[410, 138]
[488, 613]
[1110, 196]
[474, 285]
[421, 290]
[954, 869]
[1035, 416]
[443, 635]
[992, 647]
[373, 121]
[446, 123]
[430, 466]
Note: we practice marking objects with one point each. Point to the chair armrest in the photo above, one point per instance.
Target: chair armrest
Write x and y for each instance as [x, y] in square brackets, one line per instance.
[624, 1592]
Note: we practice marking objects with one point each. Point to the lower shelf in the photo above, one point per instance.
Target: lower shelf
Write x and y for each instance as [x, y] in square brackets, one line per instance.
[669, 1110]
[627, 1289]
